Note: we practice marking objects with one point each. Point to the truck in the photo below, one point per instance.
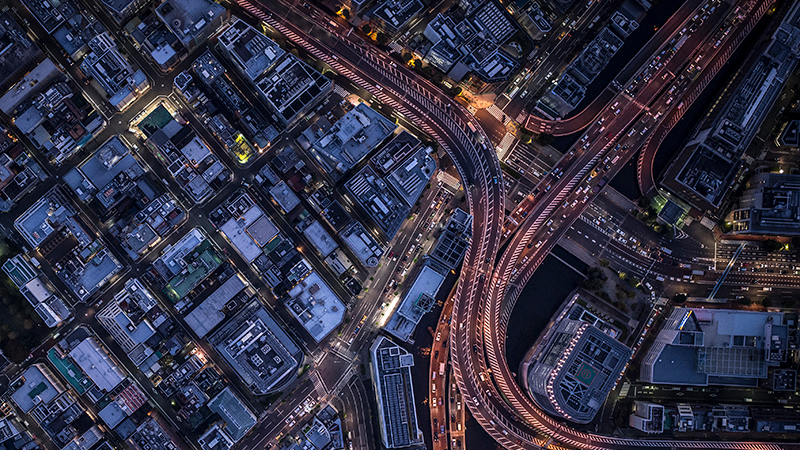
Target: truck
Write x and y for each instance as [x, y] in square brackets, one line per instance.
[600, 185]
[666, 250]
[441, 369]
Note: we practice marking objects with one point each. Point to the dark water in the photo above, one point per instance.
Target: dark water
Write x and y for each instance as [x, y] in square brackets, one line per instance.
[541, 297]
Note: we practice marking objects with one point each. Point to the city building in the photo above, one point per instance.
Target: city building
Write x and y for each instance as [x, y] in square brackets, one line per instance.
[378, 201]
[401, 147]
[390, 371]
[31, 84]
[393, 15]
[257, 349]
[707, 170]
[20, 54]
[79, 257]
[186, 156]
[236, 421]
[362, 244]
[790, 134]
[185, 264]
[314, 304]
[291, 89]
[244, 225]
[700, 347]
[57, 119]
[208, 314]
[153, 222]
[253, 53]
[19, 171]
[410, 178]
[97, 364]
[123, 85]
[13, 435]
[770, 204]
[350, 139]
[127, 318]
[648, 417]
[150, 434]
[75, 32]
[452, 244]
[574, 368]
[37, 289]
[192, 21]
[417, 301]
[37, 385]
[322, 242]
[108, 176]
[211, 73]
[156, 40]
[284, 197]
[533, 20]
[122, 10]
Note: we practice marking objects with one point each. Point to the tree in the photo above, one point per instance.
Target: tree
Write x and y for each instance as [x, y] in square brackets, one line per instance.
[766, 302]
[366, 29]
[407, 57]
[545, 138]
[771, 245]
[456, 91]
[745, 301]
[346, 13]
[381, 38]
[679, 298]
[605, 262]
[623, 275]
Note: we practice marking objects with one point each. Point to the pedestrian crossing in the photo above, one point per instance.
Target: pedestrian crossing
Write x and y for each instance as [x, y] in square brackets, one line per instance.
[319, 385]
[498, 114]
[396, 47]
[505, 144]
[338, 90]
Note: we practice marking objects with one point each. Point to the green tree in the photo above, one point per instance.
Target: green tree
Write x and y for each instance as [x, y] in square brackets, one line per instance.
[407, 57]
[456, 91]
[366, 29]
[605, 262]
[745, 301]
[545, 138]
[346, 13]
[771, 245]
[381, 38]
[766, 302]
[679, 298]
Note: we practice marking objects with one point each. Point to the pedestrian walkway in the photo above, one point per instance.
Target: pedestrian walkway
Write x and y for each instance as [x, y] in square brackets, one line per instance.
[505, 144]
[338, 90]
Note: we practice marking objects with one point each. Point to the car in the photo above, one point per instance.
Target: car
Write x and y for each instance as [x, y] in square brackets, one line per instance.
[436, 355]
[438, 336]
[474, 348]
[494, 180]
[441, 400]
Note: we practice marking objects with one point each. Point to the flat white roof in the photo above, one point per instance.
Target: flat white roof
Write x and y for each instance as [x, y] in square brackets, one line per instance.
[97, 364]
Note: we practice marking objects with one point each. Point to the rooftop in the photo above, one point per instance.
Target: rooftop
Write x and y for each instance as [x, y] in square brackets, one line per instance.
[39, 386]
[19, 52]
[312, 302]
[411, 176]
[391, 378]
[284, 196]
[319, 238]
[362, 244]
[418, 300]
[112, 168]
[292, 88]
[350, 139]
[395, 13]
[253, 53]
[208, 314]
[238, 418]
[452, 244]
[383, 206]
[257, 348]
[189, 19]
[249, 230]
[97, 364]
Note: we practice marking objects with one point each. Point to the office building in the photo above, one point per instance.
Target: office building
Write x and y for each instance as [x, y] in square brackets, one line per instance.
[122, 10]
[192, 21]
[314, 304]
[185, 264]
[97, 364]
[378, 201]
[253, 53]
[20, 54]
[574, 369]
[362, 244]
[244, 225]
[38, 386]
[37, 289]
[155, 40]
[123, 85]
[393, 15]
[452, 244]
[157, 219]
[208, 314]
[322, 242]
[390, 371]
[284, 197]
[126, 319]
[648, 417]
[701, 347]
[417, 301]
[411, 177]
[257, 349]
[19, 171]
[770, 204]
[291, 89]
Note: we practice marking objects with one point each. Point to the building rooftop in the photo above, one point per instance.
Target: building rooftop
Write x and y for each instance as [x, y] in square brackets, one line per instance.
[362, 244]
[34, 81]
[284, 196]
[249, 229]
[312, 302]
[186, 263]
[238, 418]
[418, 300]
[410, 178]
[253, 53]
[39, 386]
[390, 371]
[292, 87]
[97, 364]
[769, 205]
[208, 314]
[701, 347]
[350, 139]
[190, 19]
[257, 348]
[452, 244]
[375, 197]
[319, 238]
[125, 318]
[109, 172]
[395, 151]
[19, 52]
[395, 13]
[576, 370]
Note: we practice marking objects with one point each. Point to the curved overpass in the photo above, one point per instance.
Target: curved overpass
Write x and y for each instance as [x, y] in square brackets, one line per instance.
[515, 422]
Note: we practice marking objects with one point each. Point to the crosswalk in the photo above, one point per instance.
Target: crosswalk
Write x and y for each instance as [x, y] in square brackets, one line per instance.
[505, 144]
[498, 114]
[396, 47]
[319, 385]
[338, 90]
